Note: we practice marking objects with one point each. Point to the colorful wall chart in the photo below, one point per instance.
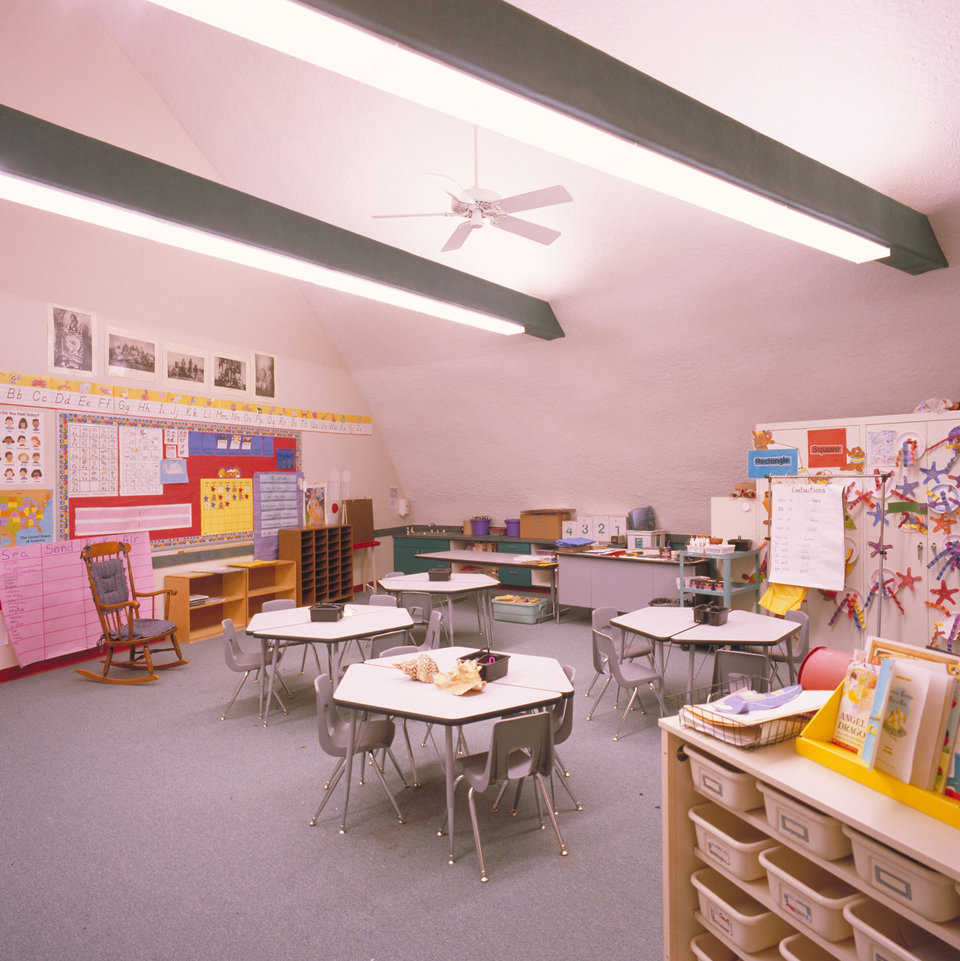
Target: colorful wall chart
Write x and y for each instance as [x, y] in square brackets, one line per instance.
[276, 504]
[26, 517]
[46, 596]
[226, 506]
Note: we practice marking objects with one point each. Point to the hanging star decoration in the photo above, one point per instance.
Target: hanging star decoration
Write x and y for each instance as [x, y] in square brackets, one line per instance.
[950, 555]
[877, 515]
[944, 522]
[944, 594]
[908, 580]
[931, 474]
[864, 497]
[907, 488]
[878, 547]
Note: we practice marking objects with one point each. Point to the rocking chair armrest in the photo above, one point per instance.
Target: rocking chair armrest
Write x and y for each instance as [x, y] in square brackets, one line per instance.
[120, 606]
[165, 590]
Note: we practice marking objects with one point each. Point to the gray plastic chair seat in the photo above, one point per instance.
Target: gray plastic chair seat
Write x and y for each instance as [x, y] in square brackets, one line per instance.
[637, 674]
[242, 662]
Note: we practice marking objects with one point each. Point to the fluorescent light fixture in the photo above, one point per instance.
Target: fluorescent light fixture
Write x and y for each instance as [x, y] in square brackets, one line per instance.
[308, 34]
[77, 207]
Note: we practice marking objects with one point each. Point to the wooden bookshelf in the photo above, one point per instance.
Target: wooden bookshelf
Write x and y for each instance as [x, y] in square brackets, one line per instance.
[227, 591]
[324, 562]
[267, 581]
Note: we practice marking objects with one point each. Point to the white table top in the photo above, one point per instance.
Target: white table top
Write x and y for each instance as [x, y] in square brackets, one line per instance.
[359, 620]
[523, 670]
[742, 627]
[491, 558]
[458, 583]
[657, 622]
[367, 687]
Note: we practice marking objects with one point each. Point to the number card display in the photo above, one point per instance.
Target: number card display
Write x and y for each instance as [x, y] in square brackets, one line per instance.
[806, 539]
[226, 505]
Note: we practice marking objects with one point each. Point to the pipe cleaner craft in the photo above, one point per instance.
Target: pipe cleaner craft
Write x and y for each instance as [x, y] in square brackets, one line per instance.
[908, 580]
[944, 594]
[851, 603]
[931, 474]
[950, 555]
[877, 515]
[944, 522]
[878, 547]
[908, 488]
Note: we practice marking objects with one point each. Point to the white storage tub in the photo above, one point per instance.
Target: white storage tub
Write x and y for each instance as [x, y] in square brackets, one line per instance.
[726, 839]
[746, 922]
[882, 935]
[721, 782]
[810, 895]
[928, 892]
[709, 948]
[801, 824]
[799, 948]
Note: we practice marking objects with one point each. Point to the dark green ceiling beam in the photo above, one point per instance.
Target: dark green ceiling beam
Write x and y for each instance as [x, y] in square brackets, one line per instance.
[513, 50]
[58, 157]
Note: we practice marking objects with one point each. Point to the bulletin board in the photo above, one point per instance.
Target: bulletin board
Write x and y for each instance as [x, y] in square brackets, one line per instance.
[184, 484]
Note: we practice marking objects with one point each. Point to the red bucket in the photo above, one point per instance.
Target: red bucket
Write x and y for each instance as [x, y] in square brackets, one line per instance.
[823, 669]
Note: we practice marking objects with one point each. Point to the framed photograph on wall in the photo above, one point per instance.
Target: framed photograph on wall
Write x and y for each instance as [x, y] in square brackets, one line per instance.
[265, 376]
[231, 374]
[185, 367]
[129, 355]
[71, 341]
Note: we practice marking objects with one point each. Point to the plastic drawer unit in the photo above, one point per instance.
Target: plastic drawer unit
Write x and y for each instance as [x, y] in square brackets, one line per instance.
[928, 892]
[722, 783]
[732, 843]
[803, 825]
[882, 935]
[808, 894]
[706, 947]
[799, 948]
[746, 922]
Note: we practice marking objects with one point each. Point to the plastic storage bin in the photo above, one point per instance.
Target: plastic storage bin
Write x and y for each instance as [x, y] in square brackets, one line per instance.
[746, 922]
[723, 783]
[519, 609]
[926, 891]
[882, 935]
[708, 948]
[799, 948]
[810, 895]
[801, 824]
[724, 838]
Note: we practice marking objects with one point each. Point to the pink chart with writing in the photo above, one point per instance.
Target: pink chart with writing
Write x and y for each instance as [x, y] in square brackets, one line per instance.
[46, 596]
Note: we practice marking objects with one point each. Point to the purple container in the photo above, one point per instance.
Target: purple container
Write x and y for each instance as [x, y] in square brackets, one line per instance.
[513, 527]
[480, 526]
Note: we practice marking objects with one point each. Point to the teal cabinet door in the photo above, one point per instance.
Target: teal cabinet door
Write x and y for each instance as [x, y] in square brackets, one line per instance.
[405, 550]
[514, 576]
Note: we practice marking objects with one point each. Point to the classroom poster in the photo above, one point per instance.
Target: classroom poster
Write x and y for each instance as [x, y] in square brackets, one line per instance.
[226, 505]
[92, 460]
[276, 504]
[23, 449]
[26, 517]
[806, 536]
[827, 447]
[314, 504]
[141, 452]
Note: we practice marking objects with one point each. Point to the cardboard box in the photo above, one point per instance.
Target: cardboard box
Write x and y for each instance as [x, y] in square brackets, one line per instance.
[544, 524]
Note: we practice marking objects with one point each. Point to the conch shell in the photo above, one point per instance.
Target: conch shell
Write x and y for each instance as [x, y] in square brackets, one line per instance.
[421, 668]
[464, 677]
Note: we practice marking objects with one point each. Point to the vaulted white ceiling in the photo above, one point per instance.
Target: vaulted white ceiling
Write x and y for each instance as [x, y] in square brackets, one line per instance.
[669, 310]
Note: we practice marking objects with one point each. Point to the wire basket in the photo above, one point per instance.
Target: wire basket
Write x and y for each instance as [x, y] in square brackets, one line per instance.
[738, 730]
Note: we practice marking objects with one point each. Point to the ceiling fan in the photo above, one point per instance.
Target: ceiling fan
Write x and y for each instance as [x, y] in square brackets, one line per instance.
[479, 207]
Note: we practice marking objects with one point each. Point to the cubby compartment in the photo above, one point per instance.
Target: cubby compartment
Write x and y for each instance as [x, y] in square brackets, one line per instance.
[746, 922]
[721, 782]
[706, 947]
[882, 935]
[733, 843]
[799, 948]
[809, 894]
[801, 824]
[928, 892]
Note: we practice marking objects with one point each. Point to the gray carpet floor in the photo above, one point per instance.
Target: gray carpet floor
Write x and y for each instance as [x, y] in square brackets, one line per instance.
[137, 826]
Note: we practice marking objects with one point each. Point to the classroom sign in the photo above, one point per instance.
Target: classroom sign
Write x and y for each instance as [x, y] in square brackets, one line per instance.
[772, 463]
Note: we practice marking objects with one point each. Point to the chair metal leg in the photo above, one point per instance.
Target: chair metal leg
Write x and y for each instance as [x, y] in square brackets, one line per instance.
[516, 799]
[603, 690]
[560, 765]
[383, 781]
[462, 746]
[283, 684]
[476, 834]
[303, 660]
[536, 797]
[328, 790]
[333, 773]
[594, 681]
[442, 830]
[236, 693]
[553, 817]
[393, 760]
[633, 697]
[426, 735]
[563, 783]
[503, 790]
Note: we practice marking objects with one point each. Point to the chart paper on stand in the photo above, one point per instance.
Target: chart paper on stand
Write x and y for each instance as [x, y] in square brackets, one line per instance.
[807, 547]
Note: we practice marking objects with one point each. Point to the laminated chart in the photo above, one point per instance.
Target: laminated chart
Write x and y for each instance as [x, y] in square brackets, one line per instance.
[226, 505]
[26, 517]
[141, 451]
[92, 460]
[46, 596]
[276, 502]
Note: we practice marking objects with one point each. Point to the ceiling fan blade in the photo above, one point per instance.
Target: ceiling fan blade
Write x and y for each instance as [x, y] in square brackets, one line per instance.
[535, 198]
[446, 213]
[514, 225]
[457, 239]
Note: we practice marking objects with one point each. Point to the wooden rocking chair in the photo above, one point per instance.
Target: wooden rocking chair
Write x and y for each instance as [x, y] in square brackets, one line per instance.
[118, 606]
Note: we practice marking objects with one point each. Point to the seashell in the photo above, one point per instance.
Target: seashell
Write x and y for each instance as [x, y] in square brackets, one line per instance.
[420, 668]
[464, 677]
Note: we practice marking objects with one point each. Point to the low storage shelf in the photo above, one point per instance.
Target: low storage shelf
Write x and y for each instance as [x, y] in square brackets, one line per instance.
[815, 895]
[226, 593]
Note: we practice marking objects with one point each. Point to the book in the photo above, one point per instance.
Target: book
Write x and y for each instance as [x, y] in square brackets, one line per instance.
[932, 725]
[949, 740]
[856, 702]
[952, 785]
[881, 694]
[902, 719]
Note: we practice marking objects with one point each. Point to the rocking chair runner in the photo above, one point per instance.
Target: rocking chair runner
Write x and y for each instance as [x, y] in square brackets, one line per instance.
[118, 606]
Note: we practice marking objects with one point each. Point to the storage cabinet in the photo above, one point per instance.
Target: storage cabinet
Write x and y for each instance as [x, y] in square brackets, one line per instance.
[323, 562]
[819, 795]
[405, 550]
[725, 564]
[266, 581]
[227, 593]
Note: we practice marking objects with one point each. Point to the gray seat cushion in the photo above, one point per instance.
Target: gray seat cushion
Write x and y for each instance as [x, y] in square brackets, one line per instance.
[146, 627]
[110, 580]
